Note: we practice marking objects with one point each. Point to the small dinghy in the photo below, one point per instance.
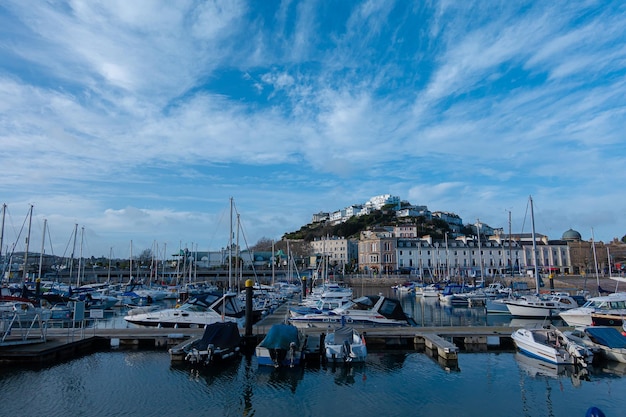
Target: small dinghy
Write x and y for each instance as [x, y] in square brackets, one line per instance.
[345, 345]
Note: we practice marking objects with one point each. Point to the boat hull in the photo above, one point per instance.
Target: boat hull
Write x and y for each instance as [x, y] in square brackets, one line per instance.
[531, 311]
[549, 345]
[345, 346]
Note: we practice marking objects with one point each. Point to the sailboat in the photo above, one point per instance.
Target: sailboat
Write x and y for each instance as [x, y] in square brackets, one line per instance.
[534, 305]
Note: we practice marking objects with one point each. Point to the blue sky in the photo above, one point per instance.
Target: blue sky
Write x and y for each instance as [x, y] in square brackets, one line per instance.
[138, 121]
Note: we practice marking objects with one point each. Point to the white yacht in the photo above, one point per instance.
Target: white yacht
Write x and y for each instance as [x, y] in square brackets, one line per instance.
[551, 305]
[605, 304]
[197, 312]
[367, 311]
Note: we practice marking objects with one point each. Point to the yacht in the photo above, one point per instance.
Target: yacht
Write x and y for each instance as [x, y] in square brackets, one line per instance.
[367, 311]
[551, 305]
[197, 312]
[605, 305]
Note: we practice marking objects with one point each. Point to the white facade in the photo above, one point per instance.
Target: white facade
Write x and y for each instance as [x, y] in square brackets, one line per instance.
[379, 201]
[462, 257]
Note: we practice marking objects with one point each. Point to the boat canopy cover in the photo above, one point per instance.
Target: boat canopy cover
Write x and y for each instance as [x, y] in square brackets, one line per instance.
[343, 334]
[366, 302]
[280, 336]
[220, 334]
[392, 309]
[607, 336]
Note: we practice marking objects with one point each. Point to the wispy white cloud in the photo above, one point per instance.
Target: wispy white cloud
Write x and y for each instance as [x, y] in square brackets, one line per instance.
[140, 119]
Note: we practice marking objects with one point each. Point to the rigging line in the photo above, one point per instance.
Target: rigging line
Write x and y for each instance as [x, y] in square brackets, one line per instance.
[50, 241]
[17, 240]
[525, 216]
[219, 222]
[69, 242]
[245, 240]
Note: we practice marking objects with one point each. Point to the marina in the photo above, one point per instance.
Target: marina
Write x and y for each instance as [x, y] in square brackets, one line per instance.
[416, 366]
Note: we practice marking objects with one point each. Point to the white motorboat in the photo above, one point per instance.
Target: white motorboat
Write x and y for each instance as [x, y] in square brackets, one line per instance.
[540, 306]
[345, 345]
[197, 312]
[551, 345]
[367, 311]
[320, 306]
[604, 340]
[606, 304]
[430, 290]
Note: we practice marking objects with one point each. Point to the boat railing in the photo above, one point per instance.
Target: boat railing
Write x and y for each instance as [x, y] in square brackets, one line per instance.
[15, 329]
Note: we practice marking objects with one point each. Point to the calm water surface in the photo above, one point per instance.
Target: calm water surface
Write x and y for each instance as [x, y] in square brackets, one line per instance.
[145, 383]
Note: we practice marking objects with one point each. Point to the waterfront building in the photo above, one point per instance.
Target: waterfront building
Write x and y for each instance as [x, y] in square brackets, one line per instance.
[338, 251]
[377, 251]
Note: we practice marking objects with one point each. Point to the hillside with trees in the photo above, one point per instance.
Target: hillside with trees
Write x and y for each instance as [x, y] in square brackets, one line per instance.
[386, 216]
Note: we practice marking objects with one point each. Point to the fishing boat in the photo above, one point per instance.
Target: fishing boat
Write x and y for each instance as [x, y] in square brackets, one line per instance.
[345, 345]
[551, 345]
[220, 342]
[283, 346]
[197, 312]
[367, 311]
[604, 306]
[605, 340]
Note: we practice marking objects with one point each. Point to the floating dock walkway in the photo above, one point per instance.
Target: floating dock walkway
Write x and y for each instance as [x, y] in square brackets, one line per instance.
[443, 343]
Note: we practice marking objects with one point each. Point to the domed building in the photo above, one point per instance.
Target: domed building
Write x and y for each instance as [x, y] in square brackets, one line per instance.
[571, 235]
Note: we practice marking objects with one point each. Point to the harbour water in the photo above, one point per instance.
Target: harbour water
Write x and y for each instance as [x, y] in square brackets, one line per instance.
[391, 383]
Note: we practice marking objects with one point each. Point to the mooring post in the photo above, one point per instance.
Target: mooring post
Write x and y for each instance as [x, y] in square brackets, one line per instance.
[249, 295]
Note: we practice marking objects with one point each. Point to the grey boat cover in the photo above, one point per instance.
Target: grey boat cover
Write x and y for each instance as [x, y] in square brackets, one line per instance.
[607, 336]
[343, 334]
[280, 336]
[221, 335]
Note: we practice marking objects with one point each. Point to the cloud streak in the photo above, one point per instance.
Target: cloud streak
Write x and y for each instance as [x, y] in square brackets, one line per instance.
[141, 119]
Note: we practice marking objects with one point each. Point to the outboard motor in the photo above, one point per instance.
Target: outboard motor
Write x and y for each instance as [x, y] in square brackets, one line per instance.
[347, 351]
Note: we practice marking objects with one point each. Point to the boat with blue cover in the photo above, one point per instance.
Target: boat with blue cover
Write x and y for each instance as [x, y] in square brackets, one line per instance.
[283, 346]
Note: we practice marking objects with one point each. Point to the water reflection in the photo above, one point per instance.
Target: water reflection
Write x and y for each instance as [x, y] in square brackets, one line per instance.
[429, 312]
[536, 368]
[348, 374]
[280, 378]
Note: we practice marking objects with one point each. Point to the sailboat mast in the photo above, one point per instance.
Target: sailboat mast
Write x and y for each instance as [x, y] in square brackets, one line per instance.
[43, 240]
[239, 266]
[4, 210]
[595, 259]
[273, 262]
[80, 259]
[230, 248]
[480, 253]
[510, 251]
[73, 252]
[30, 220]
[532, 223]
[109, 271]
